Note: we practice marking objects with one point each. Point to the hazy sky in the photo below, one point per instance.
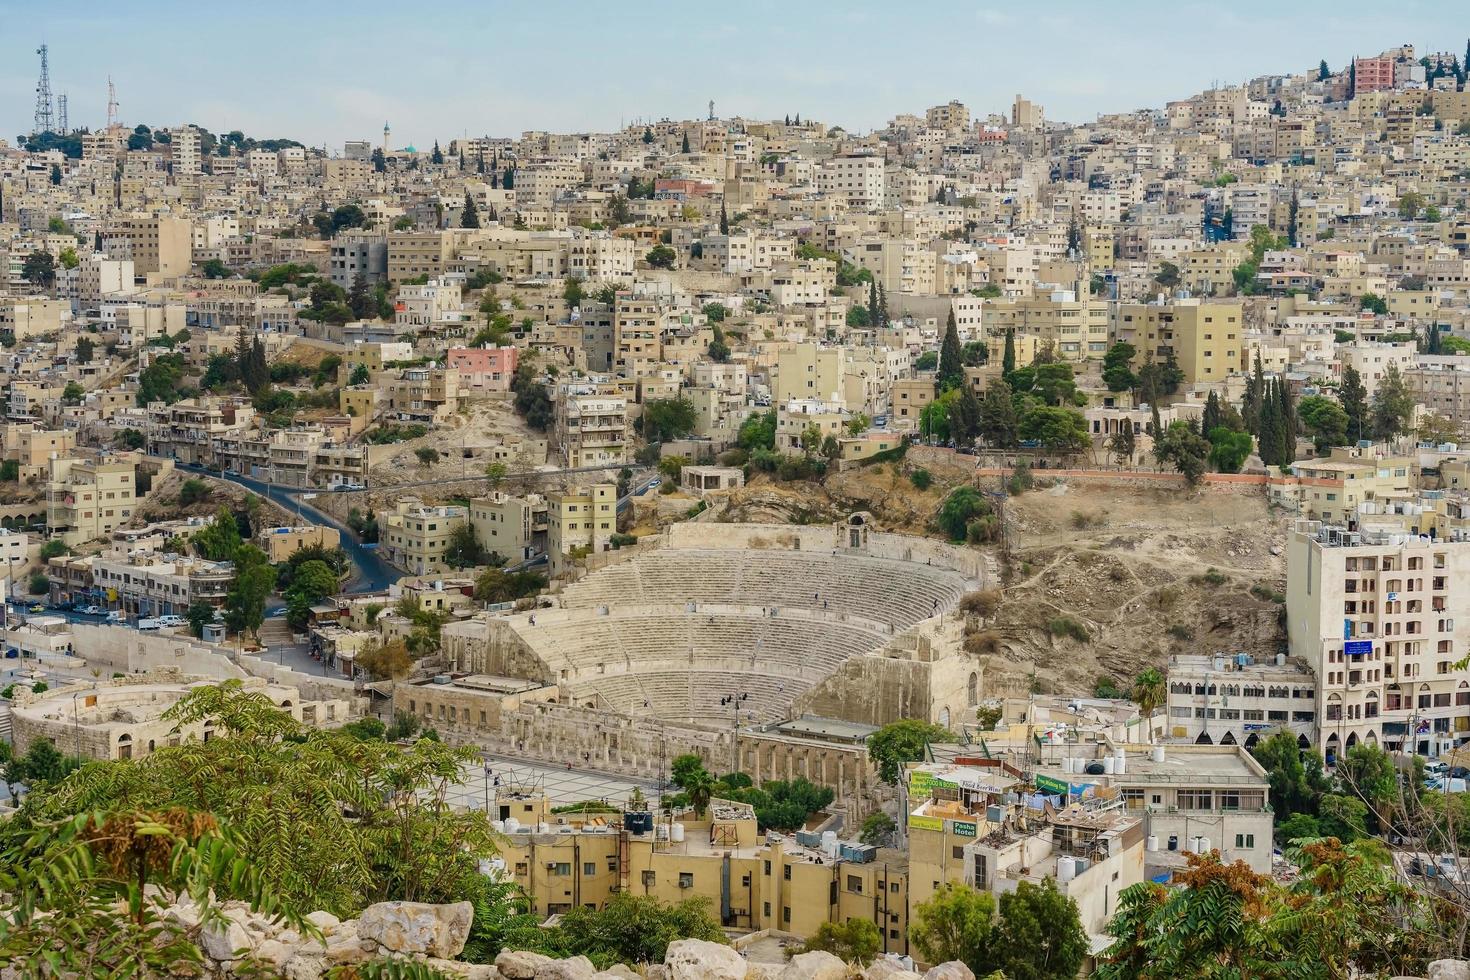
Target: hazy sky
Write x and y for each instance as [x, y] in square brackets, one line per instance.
[328, 72]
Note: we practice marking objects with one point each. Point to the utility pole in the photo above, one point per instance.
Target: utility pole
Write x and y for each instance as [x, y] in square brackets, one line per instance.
[61, 124]
[111, 103]
[44, 121]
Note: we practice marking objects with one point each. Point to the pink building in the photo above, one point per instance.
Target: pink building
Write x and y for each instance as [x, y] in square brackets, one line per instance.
[1372, 75]
[484, 368]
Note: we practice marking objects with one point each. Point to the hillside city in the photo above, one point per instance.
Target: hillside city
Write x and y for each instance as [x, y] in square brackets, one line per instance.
[981, 546]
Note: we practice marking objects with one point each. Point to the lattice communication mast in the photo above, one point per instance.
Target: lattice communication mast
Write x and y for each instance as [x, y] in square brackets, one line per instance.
[45, 121]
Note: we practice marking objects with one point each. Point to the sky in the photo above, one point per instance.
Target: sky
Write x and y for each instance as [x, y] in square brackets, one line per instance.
[324, 73]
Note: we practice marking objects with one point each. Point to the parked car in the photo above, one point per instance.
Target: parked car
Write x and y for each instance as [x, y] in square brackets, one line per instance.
[149, 624]
[116, 616]
[91, 611]
[38, 608]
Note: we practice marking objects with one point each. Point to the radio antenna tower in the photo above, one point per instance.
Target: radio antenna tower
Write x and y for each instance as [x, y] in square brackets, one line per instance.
[111, 103]
[61, 126]
[44, 122]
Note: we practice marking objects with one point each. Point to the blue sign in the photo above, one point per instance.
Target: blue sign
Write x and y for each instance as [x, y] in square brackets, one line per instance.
[1358, 648]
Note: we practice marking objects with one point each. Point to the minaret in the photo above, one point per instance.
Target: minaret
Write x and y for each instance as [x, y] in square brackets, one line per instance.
[386, 134]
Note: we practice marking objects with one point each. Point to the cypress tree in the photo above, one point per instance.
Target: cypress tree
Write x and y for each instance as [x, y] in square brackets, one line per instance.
[873, 300]
[470, 216]
[1210, 420]
[1353, 395]
[882, 305]
[685, 147]
[724, 220]
[1287, 423]
[951, 364]
[1008, 359]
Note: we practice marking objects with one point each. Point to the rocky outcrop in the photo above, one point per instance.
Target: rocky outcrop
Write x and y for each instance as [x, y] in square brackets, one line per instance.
[247, 943]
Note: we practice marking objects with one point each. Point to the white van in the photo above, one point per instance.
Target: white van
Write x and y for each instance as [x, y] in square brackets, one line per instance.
[170, 621]
[149, 624]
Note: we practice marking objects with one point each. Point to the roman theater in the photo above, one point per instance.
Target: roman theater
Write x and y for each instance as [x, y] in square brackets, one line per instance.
[774, 649]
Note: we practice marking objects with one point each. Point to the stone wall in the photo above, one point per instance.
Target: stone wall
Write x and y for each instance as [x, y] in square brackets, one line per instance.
[129, 651]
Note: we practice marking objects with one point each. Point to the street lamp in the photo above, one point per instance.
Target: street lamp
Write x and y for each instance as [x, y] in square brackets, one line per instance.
[734, 701]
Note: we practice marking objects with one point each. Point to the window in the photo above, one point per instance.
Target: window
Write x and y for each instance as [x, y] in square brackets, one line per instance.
[562, 868]
[786, 873]
[1245, 840]
[648, 879]
[957, 851]
[686, 879]
[855, 884]
[589, 868]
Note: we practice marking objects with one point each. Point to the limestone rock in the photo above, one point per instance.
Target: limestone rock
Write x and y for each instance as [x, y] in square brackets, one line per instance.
[519, 964]
[350, 949]
[953, 970]
[273, 952]
[816, 965]
[416, 927]
[617, 972]
[464, 971]
[654, 971]
[326, 922]
[1449, 970]
[763, 971]
[305, 967]
[886, 969]
[576, 968]
[224, 940]
[695, 959]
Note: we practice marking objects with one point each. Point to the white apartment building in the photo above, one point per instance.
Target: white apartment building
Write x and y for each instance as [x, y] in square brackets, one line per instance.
[1231, 700]
[437, 301]
[592, 430]
[1381, 616]
[855, 179]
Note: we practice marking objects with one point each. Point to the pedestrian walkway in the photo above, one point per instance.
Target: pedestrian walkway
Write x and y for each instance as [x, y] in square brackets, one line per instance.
[561, 785]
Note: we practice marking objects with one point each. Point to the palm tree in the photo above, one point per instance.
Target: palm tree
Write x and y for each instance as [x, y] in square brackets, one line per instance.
[1150, 693]
[700, 787]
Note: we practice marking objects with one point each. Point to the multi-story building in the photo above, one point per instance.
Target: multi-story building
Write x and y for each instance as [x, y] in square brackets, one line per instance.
[416, 537]
[1382, 616]
[159, 246]
[1235, 701]
[89, 498]
[280, 543]
[751, 880]
[854, 179]
[483, 369]
[1372, 75]
[584, 518]
[359, 254]
[592, 430]
[510, 526]
[149, 584]
[1204, 338]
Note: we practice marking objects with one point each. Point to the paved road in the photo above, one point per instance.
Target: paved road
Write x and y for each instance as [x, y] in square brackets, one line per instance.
[371, 573]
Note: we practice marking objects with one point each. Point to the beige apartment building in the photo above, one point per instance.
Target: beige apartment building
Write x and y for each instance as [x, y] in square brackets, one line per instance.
[752, 881]
[592, 430]
[584, 518]
[33, 447]
[1382, 616]
[280, 543]
[510, 526]
[89, 498]
[159, 246]
[1205, 338]
[415, 537]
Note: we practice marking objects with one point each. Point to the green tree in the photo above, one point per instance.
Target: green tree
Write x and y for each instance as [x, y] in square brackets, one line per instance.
[1008, 357]
[899, 742]
[1117, 373]
[1168, 275]
[1354, 398]
[1185, 448]
[200, 614]
[1228, 449]
[85, 350]
[956, 923]
[951, 360]
[855, 941]
[629, 929]
[999, 425]
[1325, 420]
[964, 504]
[1039, 935]
[1058, 430]
[668, 418]
[1373, 302]
[469, 216]
[254, 580]
[1150, 692]
[463, 548]
[964, 416]
[1392, 406]
[661, 257]
[1295, 778]
[1122, 444]
[878, 829]
[220, 540]
[39, 269]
